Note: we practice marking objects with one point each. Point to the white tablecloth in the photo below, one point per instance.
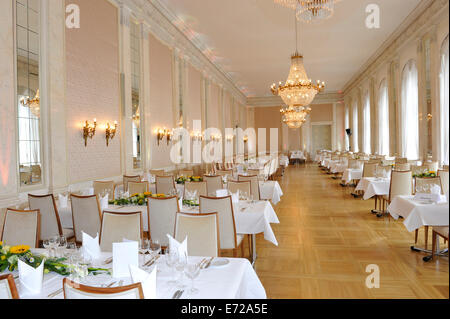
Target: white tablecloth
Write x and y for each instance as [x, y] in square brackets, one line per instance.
[373, 186]
[417, 215]
[256, 218]
[284, 161]
[151, 188]
[338, 167]
[237, 280]
[271, 190]
[351, 174]
[298, 155]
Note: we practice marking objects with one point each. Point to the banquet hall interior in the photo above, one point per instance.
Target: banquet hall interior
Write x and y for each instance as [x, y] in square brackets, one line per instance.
[238, 149]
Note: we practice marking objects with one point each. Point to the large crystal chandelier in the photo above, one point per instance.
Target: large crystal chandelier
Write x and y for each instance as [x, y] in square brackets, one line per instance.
[33, 104]
[310, 11]
[298, 92]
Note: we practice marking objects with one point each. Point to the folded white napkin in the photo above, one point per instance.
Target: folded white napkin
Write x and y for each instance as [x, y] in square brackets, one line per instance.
[30, 277]
[147, 280]
[126, 194]
[235, 197]
[175, 245]
[124, 255]
[222, 192]
[63, 200]
[91, 246]
[104, 202]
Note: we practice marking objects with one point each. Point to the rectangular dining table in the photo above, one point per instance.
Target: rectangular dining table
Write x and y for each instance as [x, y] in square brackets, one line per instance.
[236, 280]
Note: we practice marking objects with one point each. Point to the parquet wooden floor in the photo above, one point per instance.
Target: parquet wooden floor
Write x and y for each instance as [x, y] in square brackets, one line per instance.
[327, 239]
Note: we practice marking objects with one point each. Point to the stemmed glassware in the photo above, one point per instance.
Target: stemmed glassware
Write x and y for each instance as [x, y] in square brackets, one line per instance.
[143, 248]
[192, 270]
[171, 257]
[180, 266]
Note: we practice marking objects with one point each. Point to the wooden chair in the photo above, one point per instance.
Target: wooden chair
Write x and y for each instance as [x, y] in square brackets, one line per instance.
[73, 290]
[202, 231]
[213, 183]
[101, 187]
[161, 218]
[137, 187]
[444, 180]
[165, 185]
[117, 226]
[127, 179]
[199, 187]
[21, 227]
[242, 187]
[86, 216]
[438, 232]
[8, 289]
[254, 182]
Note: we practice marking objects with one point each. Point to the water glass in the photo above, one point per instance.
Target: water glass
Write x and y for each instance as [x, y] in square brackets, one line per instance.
[180, 266]
[192, 270]
[171, 257]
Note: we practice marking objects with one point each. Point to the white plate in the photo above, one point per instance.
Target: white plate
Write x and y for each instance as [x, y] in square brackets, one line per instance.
[220, 262]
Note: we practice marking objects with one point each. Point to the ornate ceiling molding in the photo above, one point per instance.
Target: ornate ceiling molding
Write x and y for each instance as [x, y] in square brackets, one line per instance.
[158, 20]
[322, 98]
[420, 21]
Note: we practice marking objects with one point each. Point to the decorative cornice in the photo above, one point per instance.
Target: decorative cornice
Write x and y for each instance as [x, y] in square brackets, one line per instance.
[159, 22]
[322, 98]
[421, 20]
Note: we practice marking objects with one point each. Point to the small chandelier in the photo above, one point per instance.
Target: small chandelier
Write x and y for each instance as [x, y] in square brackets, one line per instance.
[310, 11]
[294, 117]
[34, 105]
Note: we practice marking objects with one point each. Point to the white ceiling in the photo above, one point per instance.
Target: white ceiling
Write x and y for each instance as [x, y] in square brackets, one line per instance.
[252, 40]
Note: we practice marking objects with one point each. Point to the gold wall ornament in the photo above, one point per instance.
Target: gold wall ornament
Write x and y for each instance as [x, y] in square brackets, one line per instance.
[110, 132]
[89, 131]
[160, 134]
[429, 117]
[169, 136]
[245, 139]
[197, 136]
[229, 138]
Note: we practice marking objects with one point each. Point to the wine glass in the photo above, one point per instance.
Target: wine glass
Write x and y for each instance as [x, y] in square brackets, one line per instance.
[171, 257]
[155, 248]
[180, 266]
[192, 270]
[143, 248]
[47, 246]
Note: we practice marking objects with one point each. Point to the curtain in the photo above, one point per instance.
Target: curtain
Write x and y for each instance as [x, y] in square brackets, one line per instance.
[444, 107]
[347, 125]
[355, 127]
[410, 112]
[383, 119]
[366, 118]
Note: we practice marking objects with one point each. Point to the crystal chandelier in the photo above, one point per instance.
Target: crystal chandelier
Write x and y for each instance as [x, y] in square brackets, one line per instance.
[298, 92]
[310, 11]
[34, 104]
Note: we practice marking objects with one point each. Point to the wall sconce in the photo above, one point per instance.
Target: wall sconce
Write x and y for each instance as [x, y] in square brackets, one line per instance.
[216, 138]
[160, 135]
[110, 132]
[429, 117]
[169, 135]
[197, 136]
[245, 139]
[89, 131]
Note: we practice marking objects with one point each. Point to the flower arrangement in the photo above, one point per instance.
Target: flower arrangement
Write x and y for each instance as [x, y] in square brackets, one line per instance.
[184, 179]
[135, 199]
[9, 258]
[426, 174]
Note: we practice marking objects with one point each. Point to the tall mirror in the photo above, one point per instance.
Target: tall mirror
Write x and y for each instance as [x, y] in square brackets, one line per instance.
[28, 98]
[135, 41]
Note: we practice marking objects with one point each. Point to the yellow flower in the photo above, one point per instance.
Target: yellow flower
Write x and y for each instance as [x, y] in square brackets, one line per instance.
[432, 172]
[135, 195]
[3, 257]
[1, 243]
[19, 249]
[148, 193]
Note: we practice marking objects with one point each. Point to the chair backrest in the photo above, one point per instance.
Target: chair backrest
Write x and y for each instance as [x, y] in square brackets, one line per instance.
[186, 172]
[21, 227]
[117, 226]
[416, 169]
[127, 179]
[213, 183]
[101, 187]
[157, 172]
[86, 216]
[445, 168]
[227, 225]
[8, 289]
[202, 231]
[370, 169]
[253, 179]
[403, 167]
[401, 160]
[73, 290]
[161, 218]
[137, 187]
[444, 180]
[165, 185]
[401, 184]
[432, 166]
[375, 161]
[384, 170]
[242, 187]
[353, 163]
[50, 222]
[424, 184]
[225, 172]
[199, 187]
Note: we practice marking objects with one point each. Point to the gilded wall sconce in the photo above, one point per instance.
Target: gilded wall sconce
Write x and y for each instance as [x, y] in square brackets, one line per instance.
[89, 131]
[160, 135]
[197, 136]
[169, 135]
[110, 132]
[245, 139]
[229, 138]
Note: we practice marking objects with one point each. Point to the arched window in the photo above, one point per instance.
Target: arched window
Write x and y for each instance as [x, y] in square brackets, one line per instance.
[444, 107]
[410, 111]
[366, 118]
[383, 119]
[355, 127]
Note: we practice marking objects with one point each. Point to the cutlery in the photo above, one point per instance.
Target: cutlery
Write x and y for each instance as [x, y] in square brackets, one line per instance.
[55, 293]
[209, 263]
[121, 283]
[179, 295]
[151, 261]
[108, 261]
[176, 294]
[203, 262]
[111, 284]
